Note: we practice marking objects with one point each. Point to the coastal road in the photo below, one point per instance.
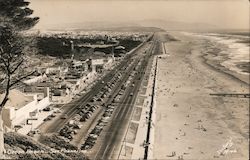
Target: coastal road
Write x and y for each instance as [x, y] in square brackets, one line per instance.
[111, 137]
[92, 121]
[78, 141]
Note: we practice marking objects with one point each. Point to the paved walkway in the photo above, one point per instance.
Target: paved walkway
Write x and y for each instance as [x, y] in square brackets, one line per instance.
[135, 149]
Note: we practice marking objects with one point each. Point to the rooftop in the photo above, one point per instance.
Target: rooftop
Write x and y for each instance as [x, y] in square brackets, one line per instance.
[17, 99]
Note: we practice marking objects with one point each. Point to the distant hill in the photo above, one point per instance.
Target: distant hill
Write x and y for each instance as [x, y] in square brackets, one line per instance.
[128, 29]
[107, 26]
[177, 25]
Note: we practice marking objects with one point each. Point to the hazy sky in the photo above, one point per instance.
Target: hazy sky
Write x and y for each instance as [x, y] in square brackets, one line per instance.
[222, 13]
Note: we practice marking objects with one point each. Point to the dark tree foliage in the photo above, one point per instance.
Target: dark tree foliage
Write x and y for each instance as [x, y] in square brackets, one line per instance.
[15, 16]
[53, 46]
[106, 50]
[128, 43]
[16, 13]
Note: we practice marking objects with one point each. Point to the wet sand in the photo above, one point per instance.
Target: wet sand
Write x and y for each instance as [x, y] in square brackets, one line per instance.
[190, 123]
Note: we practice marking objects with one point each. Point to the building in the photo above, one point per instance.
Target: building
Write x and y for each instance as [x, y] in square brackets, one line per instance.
[35, 79]
[22, 108]
[109, 62]
[72, 85]
[99, 63]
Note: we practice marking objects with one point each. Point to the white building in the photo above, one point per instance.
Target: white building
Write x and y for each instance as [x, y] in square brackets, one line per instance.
[36, 79]
[21, 109]
[108, 63]
[105, 62]
[59, 70]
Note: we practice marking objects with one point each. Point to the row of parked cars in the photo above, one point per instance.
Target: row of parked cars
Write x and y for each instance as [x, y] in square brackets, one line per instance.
[51, 115]
[84, 113]
[70, 129]
[91, 139]
[105, 92]
[93, 135]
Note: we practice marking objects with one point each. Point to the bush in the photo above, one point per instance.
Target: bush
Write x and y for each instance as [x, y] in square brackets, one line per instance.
[57, 142]
[17, 142]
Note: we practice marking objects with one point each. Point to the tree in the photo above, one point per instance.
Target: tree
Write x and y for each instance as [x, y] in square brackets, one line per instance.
[15, 17]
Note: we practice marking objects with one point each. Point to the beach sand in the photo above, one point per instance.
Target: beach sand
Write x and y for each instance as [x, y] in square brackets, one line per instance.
[190, 123]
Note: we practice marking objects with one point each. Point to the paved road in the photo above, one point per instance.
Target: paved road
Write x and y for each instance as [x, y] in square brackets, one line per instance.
[92, 121]
[112, 136]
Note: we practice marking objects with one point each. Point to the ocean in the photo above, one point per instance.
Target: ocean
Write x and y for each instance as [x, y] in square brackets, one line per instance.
[236, 53]
[230, 50]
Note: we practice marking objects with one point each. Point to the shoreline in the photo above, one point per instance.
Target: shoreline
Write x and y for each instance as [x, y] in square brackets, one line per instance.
[216, 66]
[219, 68]
[213, 58]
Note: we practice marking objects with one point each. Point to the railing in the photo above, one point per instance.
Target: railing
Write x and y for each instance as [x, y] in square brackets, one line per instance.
[147, 142]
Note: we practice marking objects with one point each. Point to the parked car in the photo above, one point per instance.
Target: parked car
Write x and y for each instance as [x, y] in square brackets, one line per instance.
[47, 119]
[57, 110]
[31, 134]
[91, 109]
[86, 146]
[83, 119]
[77, 126]
[70, 137]
[37, 131]
[52, 115]
[94, 136]
[47, 109]
[64, 116]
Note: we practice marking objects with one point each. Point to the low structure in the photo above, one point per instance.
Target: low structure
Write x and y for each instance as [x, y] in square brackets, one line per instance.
[35, 79]
[72, 86]
[21, 109]
[99, 63]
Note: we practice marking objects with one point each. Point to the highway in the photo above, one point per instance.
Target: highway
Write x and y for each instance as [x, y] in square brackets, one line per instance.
[91, 122]
[109, 143]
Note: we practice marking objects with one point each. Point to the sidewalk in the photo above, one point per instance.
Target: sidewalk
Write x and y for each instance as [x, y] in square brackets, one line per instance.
[135, 149]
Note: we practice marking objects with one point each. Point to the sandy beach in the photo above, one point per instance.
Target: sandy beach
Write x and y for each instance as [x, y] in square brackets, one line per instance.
[190, 123]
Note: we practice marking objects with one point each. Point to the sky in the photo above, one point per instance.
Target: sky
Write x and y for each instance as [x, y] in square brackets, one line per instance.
[231, 14]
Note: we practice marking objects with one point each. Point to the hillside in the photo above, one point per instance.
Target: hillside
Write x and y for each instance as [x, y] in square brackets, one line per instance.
[18, 146]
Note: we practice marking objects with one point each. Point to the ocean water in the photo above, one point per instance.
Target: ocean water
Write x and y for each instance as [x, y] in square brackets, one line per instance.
[235, 52]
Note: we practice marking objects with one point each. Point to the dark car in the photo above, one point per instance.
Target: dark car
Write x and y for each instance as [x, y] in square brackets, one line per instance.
[86, 146]
[64, 116]
[83, 119]
[47, 109]
[47, 119]
[91, 109]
